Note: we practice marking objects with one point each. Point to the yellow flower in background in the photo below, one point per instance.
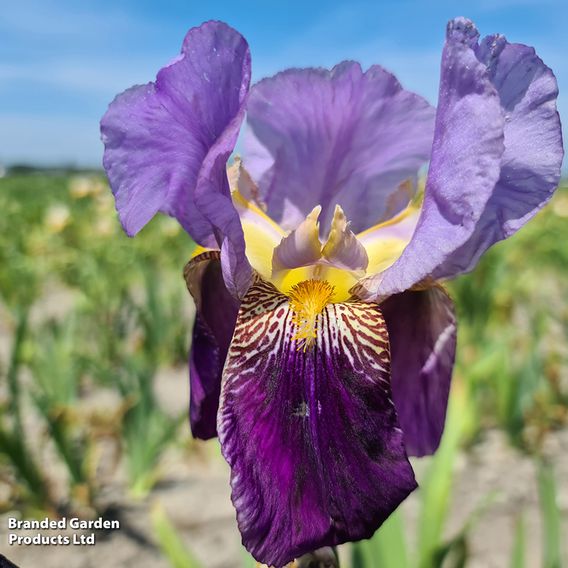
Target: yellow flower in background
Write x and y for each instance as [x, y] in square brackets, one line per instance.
[57, 218]
[83, 186]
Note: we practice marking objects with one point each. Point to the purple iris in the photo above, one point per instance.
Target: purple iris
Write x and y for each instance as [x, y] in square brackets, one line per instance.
[324, 344]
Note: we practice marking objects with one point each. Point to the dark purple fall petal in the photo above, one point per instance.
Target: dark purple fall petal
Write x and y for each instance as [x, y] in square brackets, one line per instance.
[335, 137]
[216, 313]
[422, 333]
[530, 167]
[311, 436]
[167, 142]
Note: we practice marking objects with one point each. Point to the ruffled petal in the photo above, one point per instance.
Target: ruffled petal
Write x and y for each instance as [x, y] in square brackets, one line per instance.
[464, 167]
[167, 143]
[216, 313]
[422, 332]
[530, 167]
[311, 436]
[335, 137]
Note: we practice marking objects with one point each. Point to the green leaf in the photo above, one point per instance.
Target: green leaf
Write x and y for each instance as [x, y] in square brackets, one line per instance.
[453, 554]
[362, 555]
[170, 542]
[551, 521]
[247, 560]
[388, 547]
[437, 484]
[518, 553]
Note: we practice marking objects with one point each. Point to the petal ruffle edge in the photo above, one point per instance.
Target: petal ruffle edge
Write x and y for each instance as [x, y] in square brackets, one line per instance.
[464, 167]
[530, 167]
[167, 144]
[496, 157]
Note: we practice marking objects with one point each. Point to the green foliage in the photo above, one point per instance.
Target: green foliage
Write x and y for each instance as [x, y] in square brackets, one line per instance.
[437, 482]
[146, 429]
[170, 543]
[56, 374]
[14, 448]
[513, 320]
[120, 320]
[386, 548]
[518, 552]
[551, 520]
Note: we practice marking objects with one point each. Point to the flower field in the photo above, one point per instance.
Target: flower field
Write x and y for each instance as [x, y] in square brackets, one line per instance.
[94, 334]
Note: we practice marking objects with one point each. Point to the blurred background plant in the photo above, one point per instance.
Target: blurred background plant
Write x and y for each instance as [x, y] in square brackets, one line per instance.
[91, 320]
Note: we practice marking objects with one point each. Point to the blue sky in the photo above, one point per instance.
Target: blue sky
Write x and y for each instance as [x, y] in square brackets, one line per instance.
[62, 61]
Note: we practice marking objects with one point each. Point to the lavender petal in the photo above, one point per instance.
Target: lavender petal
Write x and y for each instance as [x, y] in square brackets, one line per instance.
[530, 167]
[464, 167]
[335, 137]
[167, 144]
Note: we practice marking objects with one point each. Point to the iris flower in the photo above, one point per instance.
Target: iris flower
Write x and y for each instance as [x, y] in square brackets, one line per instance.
[324, 343]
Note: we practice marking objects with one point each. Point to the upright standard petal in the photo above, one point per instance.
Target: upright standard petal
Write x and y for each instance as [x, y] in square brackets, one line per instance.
[216, 313]
[464, 167]
[311, 435]
[422, 333]
[335, 137]
[530, 167]
[167, 142]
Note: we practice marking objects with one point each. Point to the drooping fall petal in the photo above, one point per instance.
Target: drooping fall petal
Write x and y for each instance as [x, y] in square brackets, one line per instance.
[311, 435]
[422, 334]
[216, 313]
